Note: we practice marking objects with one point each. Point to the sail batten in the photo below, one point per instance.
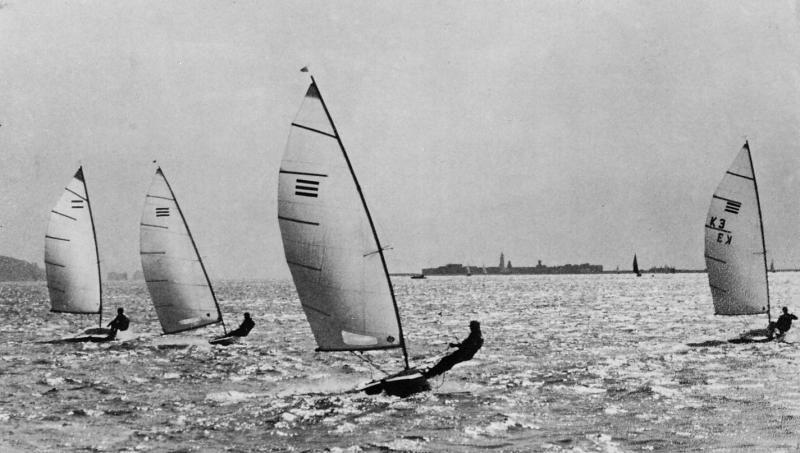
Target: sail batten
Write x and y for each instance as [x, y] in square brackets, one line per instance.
[173, 270]
[735, 251]
[327, 233]
[72, 263]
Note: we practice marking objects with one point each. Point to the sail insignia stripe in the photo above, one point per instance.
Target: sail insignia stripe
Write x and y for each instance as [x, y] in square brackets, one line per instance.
[310, 188]
[306, 194]
[306, 181]
[741, 176]
[733, 206]
[152, 253]
[62, 214]
[289, 172]
[311, 129]
[289, 219]
[304, 266]
[56, 238]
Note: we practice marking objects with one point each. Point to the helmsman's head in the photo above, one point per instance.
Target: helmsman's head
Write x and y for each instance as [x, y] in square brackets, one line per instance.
[785, 310]
[474, 325]
[246, 315]
[120, 310]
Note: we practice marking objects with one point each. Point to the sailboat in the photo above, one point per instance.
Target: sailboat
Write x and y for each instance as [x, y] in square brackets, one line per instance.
[71, 259]
[469, 272]
[735, 250]
[333, 250]
[173, 270]
[636, 266]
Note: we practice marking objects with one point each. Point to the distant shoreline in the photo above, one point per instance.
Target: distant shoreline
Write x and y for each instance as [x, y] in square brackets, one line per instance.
[477, 274]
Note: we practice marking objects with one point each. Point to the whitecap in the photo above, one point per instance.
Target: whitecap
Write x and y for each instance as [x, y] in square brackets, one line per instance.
[230, 397]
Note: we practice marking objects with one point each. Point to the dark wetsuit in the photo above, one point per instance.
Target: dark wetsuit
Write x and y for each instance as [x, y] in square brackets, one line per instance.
[121, 322]
[784, 323]
[244, 329]
[466, 350]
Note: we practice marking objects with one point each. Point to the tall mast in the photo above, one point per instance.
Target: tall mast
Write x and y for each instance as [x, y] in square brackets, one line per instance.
[761, 224]
[96, 251]
[369, 218]
[202, 266]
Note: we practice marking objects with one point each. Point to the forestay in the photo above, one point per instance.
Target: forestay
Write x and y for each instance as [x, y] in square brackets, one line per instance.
[175, 276]
[331, 249]
[734, 251]
[70, 252]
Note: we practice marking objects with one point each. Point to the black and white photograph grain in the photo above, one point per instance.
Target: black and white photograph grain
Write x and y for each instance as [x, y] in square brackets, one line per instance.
[354, 226]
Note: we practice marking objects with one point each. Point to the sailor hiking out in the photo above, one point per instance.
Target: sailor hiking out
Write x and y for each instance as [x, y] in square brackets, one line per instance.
[783, 324]
[243, 329]
[466, 350]
[120, 323]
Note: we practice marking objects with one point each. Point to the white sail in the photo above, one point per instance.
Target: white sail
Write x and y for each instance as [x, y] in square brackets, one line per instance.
[175, 276]
[330, 246]
[734, 252]
[70, 252]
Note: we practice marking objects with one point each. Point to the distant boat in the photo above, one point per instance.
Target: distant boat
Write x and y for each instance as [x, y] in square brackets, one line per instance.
[469, 272]
[636, 267]
[772, 266]
[71, 259]
[418, 276]
[735, 251]
[176, 278]
[332, 248]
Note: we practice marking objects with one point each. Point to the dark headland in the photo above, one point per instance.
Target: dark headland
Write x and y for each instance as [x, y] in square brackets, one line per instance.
[14, 270]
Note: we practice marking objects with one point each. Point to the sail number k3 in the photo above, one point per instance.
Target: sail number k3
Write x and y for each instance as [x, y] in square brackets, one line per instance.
[723, 237]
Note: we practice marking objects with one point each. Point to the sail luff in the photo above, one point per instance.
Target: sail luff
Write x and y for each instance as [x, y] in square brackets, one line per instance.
[369, 218]
[96, 251]
[194, 245]
[761, 225]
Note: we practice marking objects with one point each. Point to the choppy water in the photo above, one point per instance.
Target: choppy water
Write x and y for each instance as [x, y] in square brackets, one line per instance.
[570, 363]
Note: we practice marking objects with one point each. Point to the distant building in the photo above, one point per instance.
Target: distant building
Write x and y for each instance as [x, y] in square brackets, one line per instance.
[507, 269]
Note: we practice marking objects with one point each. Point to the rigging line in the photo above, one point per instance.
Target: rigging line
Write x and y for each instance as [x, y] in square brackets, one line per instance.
[441, 382]
[369, 361]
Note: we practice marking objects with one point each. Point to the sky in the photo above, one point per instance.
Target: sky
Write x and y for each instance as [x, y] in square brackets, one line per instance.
[561, 131]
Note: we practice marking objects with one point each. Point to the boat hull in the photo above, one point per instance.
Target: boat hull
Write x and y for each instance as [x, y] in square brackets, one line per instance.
[403, 384]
